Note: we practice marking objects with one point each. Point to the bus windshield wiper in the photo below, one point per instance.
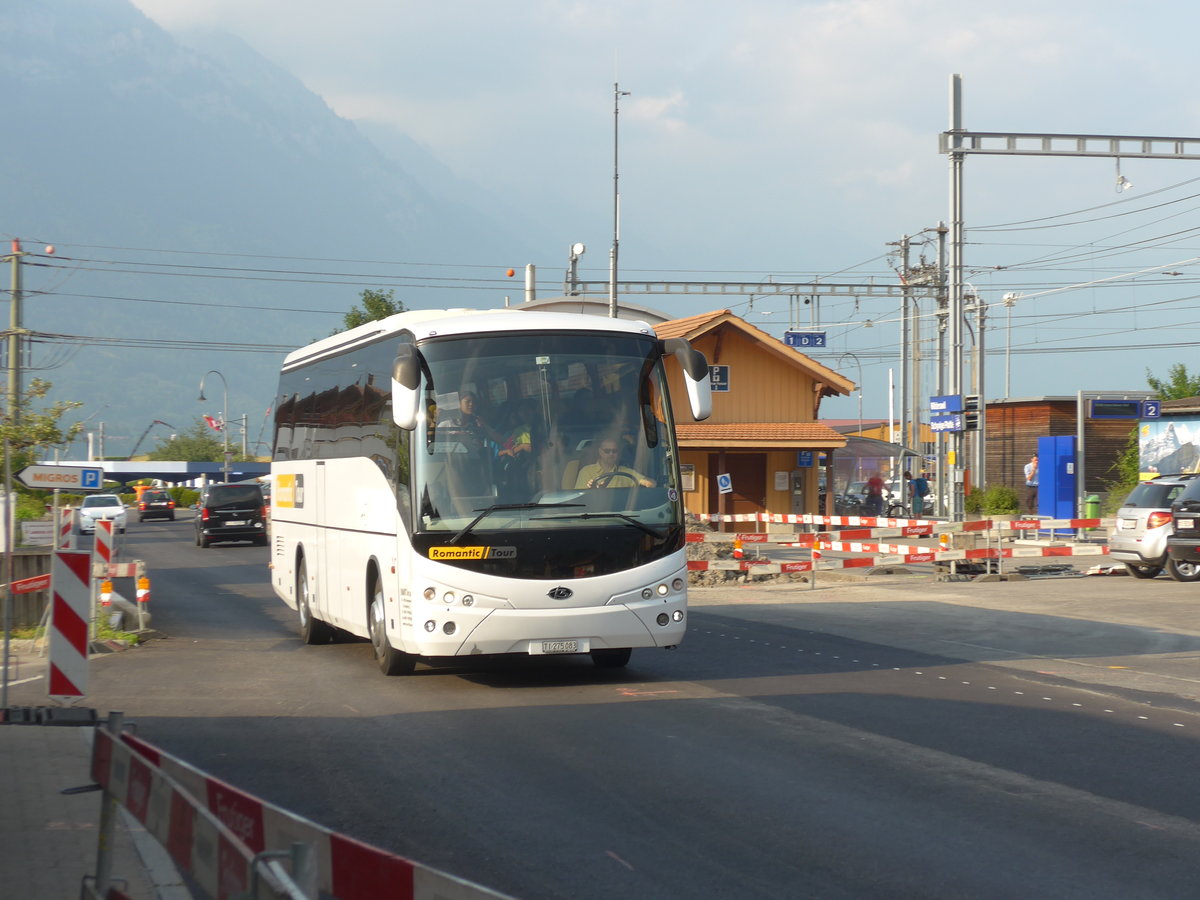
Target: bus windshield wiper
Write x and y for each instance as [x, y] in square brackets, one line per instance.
[500, 507]
[610, 515]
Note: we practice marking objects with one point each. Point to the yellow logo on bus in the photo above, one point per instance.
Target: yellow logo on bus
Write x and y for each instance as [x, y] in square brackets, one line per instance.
[289, 491]
[472, 553]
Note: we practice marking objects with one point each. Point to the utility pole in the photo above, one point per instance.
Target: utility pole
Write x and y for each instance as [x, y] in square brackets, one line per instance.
[612, 257]
[957, 142]
[14, 335]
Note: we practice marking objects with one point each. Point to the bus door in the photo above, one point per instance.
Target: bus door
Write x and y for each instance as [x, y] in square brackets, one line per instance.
[326, 586]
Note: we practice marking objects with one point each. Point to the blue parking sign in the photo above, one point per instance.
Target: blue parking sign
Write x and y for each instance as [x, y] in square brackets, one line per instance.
[92, 479]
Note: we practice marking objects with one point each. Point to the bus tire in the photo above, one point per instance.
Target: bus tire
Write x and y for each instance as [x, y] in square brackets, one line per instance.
[312, 629]
[611, 659]
[390, 660]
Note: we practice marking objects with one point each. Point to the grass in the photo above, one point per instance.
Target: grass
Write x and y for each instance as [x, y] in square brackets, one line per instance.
[103, 632]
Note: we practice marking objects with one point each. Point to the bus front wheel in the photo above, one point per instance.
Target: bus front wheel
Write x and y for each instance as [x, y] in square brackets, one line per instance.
[390, 660]
[312, 629]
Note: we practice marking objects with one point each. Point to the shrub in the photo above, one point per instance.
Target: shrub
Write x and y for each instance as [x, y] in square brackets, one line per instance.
[998, 499]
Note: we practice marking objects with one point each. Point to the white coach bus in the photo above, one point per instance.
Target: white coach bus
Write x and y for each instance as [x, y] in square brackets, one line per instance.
[454, 483]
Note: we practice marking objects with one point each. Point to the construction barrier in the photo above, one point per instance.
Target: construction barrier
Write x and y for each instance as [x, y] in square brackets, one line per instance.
[70, 589]
[64, 528]
[234, 844]
[865, 538]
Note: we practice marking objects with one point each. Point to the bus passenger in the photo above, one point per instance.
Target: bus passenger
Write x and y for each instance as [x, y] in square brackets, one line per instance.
[605, 471]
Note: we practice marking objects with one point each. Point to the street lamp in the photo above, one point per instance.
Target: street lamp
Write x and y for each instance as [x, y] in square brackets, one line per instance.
[1010, 300]
[224, 414]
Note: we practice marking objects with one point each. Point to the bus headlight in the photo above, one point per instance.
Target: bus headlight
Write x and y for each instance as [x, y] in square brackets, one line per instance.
[448, 597]
[677, 584]
[663, 619]
[647, 593]
[449, 628]
[663, 590]
[468, 600]
[677, 615]
[431, 625]
[429, 593]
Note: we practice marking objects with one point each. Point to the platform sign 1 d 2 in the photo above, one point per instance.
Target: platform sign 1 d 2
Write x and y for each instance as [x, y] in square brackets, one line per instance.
[804, 339]
[62, 478]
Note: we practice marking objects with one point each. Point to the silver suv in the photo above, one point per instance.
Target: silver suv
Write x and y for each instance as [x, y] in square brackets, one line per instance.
[1143, 525]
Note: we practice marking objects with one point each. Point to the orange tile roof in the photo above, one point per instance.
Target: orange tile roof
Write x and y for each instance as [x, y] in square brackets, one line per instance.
[702, 323]
[806, 434]
[689, 325]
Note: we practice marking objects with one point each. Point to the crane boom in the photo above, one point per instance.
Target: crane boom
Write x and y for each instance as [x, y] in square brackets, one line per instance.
[133, 452]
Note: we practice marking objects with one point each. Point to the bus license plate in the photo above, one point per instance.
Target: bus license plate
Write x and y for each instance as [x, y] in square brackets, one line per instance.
[560, 646]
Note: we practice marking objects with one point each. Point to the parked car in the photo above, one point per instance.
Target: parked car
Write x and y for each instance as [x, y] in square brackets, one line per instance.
[156, 504]
[231, 512]
[101, 507]
[1183, 544]
[1144, 525]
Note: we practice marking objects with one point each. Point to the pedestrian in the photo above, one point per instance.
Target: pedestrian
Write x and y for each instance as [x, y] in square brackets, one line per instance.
[917, 489]
[1031, 484]
[874, 501]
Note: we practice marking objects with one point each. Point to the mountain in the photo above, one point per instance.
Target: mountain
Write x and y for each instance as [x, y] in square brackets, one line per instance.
[172, 178]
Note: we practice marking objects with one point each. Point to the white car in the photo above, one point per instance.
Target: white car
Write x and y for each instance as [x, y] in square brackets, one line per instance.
[101, 506]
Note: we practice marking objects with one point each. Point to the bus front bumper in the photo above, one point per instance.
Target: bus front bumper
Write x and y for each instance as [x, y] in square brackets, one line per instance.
[648, 623]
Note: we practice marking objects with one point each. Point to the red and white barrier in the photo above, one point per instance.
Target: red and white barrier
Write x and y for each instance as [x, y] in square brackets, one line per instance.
[71, 599]
[102, 547]
[65, 528]
[213, 831]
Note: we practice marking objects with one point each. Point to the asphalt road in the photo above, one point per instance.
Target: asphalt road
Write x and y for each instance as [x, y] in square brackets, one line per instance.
[899, 738]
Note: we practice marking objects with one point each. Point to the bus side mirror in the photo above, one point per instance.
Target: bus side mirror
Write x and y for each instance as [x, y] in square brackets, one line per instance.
[406, 379]
[695, 376]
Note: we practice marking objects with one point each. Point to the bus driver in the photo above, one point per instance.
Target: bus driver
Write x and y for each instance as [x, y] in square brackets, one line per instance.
[605, 470]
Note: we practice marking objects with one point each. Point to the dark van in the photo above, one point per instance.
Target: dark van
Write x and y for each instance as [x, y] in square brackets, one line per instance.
[231, 512]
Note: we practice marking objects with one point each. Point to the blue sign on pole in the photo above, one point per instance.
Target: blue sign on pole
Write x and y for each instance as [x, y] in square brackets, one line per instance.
[951, 403]
[804, 338]
[718, 377]
[92, 479]
[804, 459]
[1151, 409]
[952, 422]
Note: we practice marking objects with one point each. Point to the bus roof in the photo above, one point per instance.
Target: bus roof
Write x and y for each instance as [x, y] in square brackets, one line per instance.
[429, 322]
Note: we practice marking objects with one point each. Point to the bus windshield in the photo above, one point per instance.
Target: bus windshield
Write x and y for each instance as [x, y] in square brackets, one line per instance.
[545, 431]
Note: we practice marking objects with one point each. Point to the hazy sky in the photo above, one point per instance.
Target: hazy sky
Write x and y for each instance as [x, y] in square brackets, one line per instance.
[782, 141]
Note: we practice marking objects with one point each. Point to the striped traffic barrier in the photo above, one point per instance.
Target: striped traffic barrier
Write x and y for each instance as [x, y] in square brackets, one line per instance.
[102, 547]
[221, 836]
[70, 590]
[65, 528]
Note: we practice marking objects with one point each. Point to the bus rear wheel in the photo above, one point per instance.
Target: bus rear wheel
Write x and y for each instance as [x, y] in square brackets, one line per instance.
[390, 660]
[312, 629]
[611, 659]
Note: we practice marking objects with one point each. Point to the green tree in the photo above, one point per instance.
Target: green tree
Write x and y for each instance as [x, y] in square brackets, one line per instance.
[200, 443]
[1177, 385]
[32, 428]
[376, 305]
